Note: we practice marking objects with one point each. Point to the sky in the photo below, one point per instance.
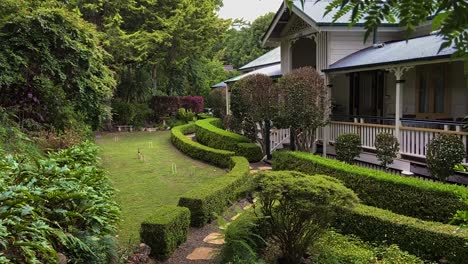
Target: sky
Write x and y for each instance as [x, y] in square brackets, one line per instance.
[249, 10]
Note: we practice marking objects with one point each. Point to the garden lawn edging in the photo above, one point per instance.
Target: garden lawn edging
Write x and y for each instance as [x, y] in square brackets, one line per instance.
[413, 197]
[428, 240]
[214, 197]
[209, 133]
[165, 230]
[218, 157]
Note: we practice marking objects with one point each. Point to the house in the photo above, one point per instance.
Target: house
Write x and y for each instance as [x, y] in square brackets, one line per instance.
[268, 64]
[386, 84]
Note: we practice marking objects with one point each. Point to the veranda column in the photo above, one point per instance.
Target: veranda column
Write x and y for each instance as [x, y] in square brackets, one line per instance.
[399, 71]
[227, 100]
[326, 129]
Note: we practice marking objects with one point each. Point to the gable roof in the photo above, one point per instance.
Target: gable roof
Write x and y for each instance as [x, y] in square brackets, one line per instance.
[271, 71]
[313, 14]
[269, 58]
[395, 52]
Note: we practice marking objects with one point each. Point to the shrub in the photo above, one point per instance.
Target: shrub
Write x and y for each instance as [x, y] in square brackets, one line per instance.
[185, 115]
[218, 157]
[408, 196]
[194, 103]
[297, 208]
[443, 153]
[215, 196]
[168, 105]
[242, 244]
[333, 247]
[217, 102]
[165, 230]
[60, 203]
[387, 148]
[348, 147]
[428, 240]
[304, 107]
[54, 140]
[125, 113]
[210, 134]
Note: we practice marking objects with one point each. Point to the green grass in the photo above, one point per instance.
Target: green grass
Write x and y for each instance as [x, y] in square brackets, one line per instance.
[144, 186]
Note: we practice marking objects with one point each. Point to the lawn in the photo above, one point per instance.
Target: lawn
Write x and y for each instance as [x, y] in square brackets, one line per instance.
[145, 184]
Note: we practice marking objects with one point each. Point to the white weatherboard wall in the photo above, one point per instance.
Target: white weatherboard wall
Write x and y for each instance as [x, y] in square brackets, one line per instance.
[345, 43]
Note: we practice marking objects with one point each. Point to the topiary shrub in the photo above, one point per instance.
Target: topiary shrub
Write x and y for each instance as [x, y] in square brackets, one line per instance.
[297, 208]
[165, 230]
[348, 147]
[443, 153]
[387, 148]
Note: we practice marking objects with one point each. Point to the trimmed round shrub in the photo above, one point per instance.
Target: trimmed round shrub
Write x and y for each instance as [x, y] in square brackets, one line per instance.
[348, 147]
[297, 208]
[443, 153]
[387, 148]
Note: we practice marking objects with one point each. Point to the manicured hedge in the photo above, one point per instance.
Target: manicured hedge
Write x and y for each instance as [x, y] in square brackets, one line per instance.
[218, 157]
[210, 133]
[165, 230]
[215, 196]
[428, 240]
[333, 247]
[426, 200]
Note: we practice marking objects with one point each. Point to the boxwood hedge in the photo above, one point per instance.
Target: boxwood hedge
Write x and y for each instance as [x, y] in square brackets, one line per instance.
[215, 196]
[165, 230]
[218, 157]
[426, 200]
[210, 134]
[428, 240]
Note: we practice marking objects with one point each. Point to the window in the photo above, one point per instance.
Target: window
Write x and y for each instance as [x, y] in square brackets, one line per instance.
[432, 92]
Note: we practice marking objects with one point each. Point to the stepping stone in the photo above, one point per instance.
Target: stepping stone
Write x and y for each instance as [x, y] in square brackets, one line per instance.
[202, 253]
[263, 168]
[235, 217]
[253, 171]
[214, 238]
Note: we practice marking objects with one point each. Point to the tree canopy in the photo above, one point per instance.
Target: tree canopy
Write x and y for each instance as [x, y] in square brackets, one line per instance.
[53, 70]
[243, 45]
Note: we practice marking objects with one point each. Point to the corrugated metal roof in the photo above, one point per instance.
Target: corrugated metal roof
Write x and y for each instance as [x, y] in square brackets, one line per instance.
[272, 71]
[416, 49]
[219, 85]
[271, 57]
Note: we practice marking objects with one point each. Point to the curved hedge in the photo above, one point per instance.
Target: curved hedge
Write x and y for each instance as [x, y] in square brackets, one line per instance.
[218, 157]
[428, 240]
[210, 134]
[215, 196]
[426, 200]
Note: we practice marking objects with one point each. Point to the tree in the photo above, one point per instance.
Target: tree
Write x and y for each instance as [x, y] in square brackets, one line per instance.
[387, 147]
[304, 106]
[244, 45]
[52, 67]
[443, 153]
[170, 40]
[259, 97]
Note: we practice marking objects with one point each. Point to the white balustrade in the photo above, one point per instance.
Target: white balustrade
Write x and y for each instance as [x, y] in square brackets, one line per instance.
[278, 137]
